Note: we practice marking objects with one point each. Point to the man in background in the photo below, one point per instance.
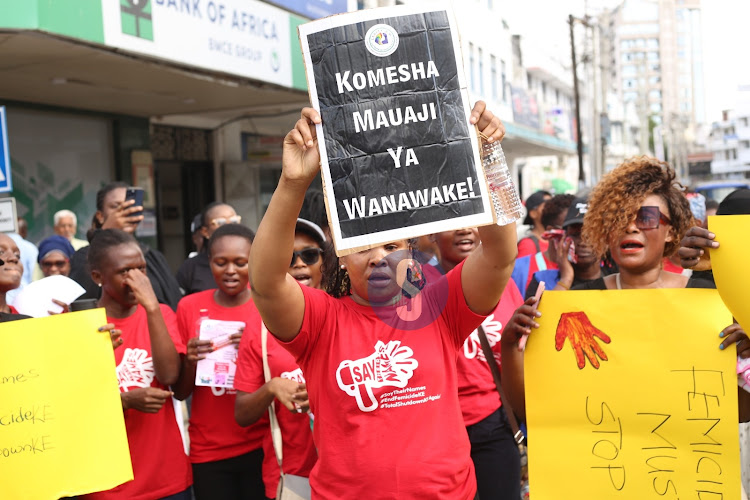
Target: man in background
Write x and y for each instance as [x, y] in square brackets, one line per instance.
[66, 224]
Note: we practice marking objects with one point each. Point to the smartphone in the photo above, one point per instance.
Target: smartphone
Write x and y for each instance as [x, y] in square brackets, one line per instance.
[552, 234]
[572, 257]
[135, 193]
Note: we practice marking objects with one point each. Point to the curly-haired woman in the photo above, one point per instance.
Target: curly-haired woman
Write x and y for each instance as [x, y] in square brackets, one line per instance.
[639, 213]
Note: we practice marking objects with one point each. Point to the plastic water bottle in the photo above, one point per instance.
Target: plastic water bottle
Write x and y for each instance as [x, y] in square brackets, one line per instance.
[201, 318]
[503, 193]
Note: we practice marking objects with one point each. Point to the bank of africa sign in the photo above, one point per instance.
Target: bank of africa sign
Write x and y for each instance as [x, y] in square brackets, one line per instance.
[241, 37]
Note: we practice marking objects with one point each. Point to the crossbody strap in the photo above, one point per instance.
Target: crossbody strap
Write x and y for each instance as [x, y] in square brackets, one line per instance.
[275, 429]
[490, 357]
[541, 264]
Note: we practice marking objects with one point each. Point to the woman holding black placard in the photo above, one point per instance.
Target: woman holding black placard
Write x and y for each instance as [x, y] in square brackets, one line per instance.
[380, 360]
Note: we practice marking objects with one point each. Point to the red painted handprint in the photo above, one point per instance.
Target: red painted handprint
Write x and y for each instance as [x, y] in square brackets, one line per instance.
[576, 327]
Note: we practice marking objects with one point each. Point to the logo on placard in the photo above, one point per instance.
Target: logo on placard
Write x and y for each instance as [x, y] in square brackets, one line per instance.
[135, 18]
[381, 40]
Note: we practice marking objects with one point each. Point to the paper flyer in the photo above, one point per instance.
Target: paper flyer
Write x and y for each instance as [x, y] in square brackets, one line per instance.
[219, 366]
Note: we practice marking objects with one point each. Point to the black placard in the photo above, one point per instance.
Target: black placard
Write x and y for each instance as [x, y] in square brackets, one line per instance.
[399, 156]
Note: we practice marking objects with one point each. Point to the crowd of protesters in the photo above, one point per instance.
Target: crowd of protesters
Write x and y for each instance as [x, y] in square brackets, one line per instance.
[327, 346]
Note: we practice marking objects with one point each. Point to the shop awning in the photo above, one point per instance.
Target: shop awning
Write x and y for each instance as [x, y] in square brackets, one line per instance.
[42, 68]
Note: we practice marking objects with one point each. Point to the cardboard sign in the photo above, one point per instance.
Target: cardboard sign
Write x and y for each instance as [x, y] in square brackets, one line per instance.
[726, 261]
[629, 396]
[62, 430]
[399, 158]
[8, 221]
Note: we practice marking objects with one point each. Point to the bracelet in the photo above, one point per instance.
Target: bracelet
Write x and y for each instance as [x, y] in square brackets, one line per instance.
[560, 283]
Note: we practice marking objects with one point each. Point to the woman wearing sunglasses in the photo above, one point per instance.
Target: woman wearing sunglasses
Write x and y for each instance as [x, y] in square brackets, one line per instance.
[286, 388]
[379, 357]
[639, 213]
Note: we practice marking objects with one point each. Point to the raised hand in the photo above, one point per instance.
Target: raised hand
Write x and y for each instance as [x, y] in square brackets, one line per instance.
[301, 159]
[488, 124]
[577, 328]
[123, 217]
[145, 399]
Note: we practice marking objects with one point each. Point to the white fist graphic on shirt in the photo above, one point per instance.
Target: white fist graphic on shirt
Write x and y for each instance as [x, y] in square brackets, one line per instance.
[136, 369]
[391, 365]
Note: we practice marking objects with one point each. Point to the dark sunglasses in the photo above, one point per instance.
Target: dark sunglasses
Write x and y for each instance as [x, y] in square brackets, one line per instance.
[309, 256]
[650, 217]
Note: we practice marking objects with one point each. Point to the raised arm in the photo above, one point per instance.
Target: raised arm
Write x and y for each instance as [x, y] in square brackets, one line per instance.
[276, 294]
[487, 270]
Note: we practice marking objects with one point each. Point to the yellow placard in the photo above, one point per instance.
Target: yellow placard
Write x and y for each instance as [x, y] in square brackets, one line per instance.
[657, 419]
[728, 263]
[62, 431]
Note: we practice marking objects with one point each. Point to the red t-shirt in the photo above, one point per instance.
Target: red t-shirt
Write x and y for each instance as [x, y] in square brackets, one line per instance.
[160, 466]
[214, 434]
[476, 387]
[299, 455]
[388, 422]
[526, 246]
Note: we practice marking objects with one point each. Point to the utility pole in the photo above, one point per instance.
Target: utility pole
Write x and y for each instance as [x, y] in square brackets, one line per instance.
[577, 97]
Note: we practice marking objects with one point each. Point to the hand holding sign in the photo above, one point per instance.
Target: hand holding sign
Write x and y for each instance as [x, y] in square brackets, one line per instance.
[400, 153]
[301, 159]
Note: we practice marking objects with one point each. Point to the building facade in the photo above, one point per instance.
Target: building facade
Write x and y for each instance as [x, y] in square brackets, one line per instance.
[653, 69]
[186, 99]
[730, 143]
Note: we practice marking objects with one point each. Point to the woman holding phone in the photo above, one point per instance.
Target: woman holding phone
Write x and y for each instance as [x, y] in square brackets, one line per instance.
[362, 360]
[113, 211]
